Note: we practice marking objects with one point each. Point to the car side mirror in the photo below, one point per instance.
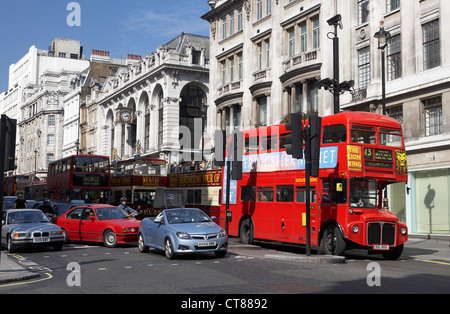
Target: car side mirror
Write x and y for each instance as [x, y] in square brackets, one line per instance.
[157, 220]
[92, 218]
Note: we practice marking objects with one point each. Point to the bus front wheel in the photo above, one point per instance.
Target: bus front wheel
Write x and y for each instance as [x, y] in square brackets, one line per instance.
[332, 241]
[246, 231]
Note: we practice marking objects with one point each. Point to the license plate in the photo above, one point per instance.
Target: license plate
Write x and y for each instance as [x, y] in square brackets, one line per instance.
[381, 247]
[41, 240]
[207, 243]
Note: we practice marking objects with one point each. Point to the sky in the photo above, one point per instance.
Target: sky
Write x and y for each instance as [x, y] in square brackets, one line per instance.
[118, 26]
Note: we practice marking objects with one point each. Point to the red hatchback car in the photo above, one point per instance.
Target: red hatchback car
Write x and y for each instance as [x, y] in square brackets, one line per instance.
[99, 223]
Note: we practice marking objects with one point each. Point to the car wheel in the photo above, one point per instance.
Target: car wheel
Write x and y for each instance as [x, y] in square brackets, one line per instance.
[221, 253]
[66, 236]
[109, 239]
[9, 245]
[168, 248]
[141, 245]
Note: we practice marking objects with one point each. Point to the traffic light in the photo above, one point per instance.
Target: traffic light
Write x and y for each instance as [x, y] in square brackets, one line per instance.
[294, 140]
[238, 149]
[220, 145]
[8, 128]
[315, 123]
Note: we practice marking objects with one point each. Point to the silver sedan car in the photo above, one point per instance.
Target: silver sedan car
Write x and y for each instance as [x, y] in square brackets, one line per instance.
[29, 228]
[181, 231]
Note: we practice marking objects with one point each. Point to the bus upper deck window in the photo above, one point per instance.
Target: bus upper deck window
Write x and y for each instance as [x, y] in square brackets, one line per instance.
[251, 144]
[363, 134]
[390, 137]
[334, 134]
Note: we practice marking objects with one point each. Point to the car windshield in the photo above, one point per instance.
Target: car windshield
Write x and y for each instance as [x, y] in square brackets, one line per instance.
[25, 216]
[186, 216]
[105, 213]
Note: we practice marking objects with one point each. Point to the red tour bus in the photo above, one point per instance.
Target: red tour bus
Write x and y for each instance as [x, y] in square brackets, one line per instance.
[203, 188]
[79, 178]
[36, 188]
[137, 179]
[15, 185]
[360, 154]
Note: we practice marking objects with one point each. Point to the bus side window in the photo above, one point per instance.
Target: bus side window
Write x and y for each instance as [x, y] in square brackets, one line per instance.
[251, 144]
[285, 193]
[334, 134]
[117, 196]
[300, 192]
[190, 197]
[248, 193]
[265, 194]
[326, 191]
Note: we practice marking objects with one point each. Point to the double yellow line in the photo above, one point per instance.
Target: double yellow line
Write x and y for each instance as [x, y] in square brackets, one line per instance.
[48, 276]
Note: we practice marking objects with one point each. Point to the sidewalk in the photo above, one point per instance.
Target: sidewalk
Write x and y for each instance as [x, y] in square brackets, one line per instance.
[11, 270]
[427, 249]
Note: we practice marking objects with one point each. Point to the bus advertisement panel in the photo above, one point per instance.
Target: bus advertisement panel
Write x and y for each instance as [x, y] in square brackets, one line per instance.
[360, 154]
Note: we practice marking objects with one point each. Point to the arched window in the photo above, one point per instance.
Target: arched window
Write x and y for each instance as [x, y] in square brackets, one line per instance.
[192, 99]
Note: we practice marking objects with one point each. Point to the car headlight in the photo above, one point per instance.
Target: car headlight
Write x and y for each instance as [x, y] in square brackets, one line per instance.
[183, 235]
[129, 230]
[222, 234]
[21, 234]
[54, 233]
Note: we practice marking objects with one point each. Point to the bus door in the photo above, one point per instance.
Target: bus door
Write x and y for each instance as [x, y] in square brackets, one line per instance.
[332, 193]
[324, 198]
[300, 201]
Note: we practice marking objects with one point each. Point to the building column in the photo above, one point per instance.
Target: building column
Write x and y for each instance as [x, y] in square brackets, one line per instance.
[231, 118]
[219, 119]
[293, 98]
[285, 104]
[255, 112]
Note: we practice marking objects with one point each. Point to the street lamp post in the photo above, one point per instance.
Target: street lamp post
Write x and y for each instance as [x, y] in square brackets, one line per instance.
[35, 160]
[382, 35]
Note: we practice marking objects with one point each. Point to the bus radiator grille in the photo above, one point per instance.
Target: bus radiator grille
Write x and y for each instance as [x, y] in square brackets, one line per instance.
[380, 233]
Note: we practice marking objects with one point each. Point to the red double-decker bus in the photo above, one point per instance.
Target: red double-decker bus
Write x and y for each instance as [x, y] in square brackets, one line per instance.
[137, 179]
[79, 178]
[360, 154]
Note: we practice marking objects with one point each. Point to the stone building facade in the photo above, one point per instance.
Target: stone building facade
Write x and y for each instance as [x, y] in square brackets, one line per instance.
[38, 83]
[143, 109]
